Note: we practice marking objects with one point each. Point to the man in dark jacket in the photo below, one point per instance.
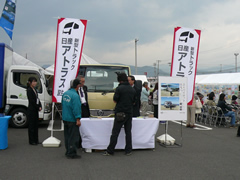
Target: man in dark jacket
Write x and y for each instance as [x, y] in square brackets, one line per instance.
[136, 106]
[82, 91]
[83, 97]
[124, 98]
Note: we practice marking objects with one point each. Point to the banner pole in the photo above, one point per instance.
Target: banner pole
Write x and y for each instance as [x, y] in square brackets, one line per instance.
[53, 104]
[52, 141]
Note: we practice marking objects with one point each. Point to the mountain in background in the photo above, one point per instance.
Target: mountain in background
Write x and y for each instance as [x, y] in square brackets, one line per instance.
[164, 70]
[149, 71]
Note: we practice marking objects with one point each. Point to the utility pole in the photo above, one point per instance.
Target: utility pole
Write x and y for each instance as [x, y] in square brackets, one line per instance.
[136, 40]
[158, 67]
[154, 65]
[236, 54]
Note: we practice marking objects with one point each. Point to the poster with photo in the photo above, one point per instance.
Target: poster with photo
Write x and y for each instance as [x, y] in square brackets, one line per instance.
[172, 98]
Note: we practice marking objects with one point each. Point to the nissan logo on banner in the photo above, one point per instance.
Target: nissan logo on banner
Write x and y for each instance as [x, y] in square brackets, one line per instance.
[185, 57]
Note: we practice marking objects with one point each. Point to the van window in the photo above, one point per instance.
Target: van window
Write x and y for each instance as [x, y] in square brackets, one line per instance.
[21, 78]
[101, 78]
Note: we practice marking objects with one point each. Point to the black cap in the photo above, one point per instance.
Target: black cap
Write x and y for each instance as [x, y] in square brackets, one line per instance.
[234, 97]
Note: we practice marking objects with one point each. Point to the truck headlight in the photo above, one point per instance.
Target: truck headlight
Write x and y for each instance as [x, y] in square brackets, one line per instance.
[47, 107]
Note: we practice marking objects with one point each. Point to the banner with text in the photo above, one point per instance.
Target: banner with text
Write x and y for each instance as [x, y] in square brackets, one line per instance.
[70, 38]
[8, 17]
[185, 55]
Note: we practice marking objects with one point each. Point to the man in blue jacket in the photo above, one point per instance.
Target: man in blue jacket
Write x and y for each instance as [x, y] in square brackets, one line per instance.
[71, 115]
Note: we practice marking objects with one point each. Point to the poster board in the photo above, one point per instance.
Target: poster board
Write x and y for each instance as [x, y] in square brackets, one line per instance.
[172, 98]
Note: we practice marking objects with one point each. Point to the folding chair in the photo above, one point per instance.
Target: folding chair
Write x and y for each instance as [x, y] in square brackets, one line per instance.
[223, 120]
[205, 114]
[214, 115]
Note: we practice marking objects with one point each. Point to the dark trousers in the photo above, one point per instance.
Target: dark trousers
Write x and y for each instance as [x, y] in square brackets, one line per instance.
[71, 136]
[115, 133]
[33, 118]
[155, 111]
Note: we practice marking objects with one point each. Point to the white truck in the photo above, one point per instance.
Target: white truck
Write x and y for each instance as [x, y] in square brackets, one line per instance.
[13, 84]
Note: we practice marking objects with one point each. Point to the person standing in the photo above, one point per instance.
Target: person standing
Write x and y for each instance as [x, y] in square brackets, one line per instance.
[144, 98]
[82, 91]
[34, 106]
[136, 106]
[124, 98]
[71, 115]
[155, 100]
[83, 97]
[170, 90]
[191, 111]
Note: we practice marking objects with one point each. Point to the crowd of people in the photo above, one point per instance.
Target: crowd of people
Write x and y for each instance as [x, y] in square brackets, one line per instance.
[227, 109]
[132, 100]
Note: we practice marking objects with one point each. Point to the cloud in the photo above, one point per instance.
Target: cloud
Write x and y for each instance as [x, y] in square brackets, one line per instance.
[114, 24]
[220, 37]
[39, 47]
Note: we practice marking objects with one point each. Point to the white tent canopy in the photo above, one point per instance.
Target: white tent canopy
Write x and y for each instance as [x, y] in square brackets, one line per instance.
[84, 60]
[221, 79]
[20, 60]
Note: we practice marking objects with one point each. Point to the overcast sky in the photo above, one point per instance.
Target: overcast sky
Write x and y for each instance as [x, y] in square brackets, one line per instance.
[114, 24]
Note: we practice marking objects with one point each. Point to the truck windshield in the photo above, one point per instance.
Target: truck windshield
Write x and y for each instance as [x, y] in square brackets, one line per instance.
[101, 78]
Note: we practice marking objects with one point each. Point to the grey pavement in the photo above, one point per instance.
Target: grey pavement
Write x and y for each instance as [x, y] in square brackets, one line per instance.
[205, 154]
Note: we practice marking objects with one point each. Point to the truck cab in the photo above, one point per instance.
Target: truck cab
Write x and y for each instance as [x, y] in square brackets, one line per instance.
[101, 81]
[16, 97]
[14, 74]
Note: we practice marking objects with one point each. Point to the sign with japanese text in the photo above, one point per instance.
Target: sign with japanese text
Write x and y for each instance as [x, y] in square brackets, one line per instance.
[172, 98]
[185, 55]
[70, 38]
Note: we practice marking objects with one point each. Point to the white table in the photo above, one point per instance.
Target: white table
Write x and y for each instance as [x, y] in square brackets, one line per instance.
[96, 133]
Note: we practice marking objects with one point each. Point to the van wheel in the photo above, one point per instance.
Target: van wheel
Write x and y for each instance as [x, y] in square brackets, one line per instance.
[19, 118]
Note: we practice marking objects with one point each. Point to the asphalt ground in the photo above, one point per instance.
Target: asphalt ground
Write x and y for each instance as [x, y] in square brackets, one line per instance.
[205, 154]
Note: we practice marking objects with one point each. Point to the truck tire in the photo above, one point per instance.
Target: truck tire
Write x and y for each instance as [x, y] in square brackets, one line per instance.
[19, 118]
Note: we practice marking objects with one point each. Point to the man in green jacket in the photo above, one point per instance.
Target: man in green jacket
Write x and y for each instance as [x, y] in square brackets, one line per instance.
[71, 115]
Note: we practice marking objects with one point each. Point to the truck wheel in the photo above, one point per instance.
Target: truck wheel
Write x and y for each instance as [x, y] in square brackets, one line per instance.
[19, 118]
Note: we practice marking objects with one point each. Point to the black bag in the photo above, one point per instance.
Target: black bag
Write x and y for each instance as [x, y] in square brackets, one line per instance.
[120, 116]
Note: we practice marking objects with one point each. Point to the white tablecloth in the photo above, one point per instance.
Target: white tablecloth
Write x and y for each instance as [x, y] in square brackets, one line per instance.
[96, 133]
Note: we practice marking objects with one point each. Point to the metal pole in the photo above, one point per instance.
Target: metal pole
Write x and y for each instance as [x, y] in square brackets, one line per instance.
[136, 40]
[154, 65]
[158, 67]
[236, 54]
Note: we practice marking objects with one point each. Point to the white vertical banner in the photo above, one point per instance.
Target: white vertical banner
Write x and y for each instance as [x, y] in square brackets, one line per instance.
[185, 55]
[172, 98]
[69, 44]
